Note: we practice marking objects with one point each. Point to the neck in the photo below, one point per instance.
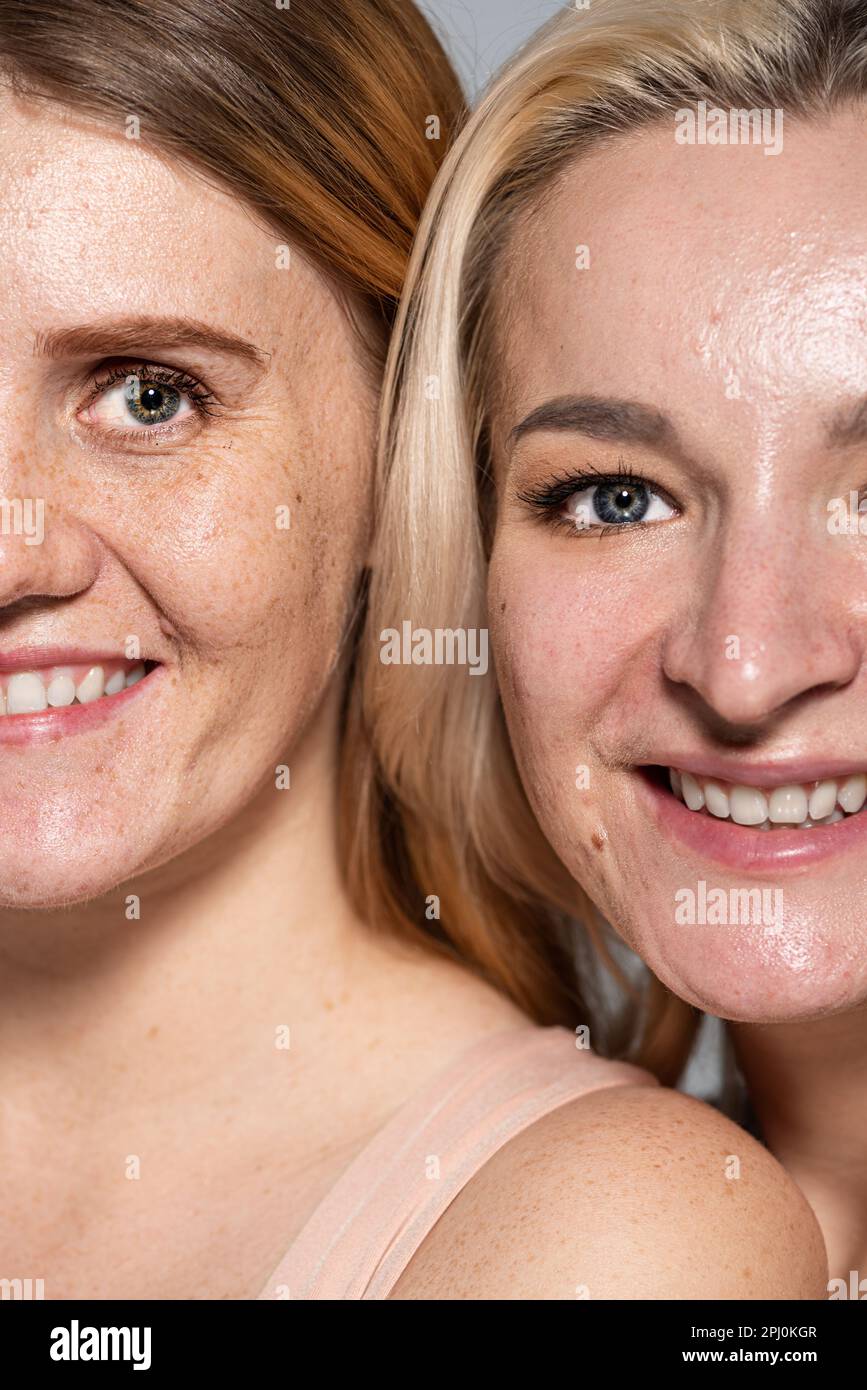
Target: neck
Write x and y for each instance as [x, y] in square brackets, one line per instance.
[242, 936]
[808, 1087]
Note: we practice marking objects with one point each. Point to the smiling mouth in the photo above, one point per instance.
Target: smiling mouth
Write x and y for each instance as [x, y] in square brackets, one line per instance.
[789, 806]
[37, 690]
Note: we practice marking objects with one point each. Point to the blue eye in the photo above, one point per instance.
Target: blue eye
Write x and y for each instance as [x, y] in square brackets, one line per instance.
[625, 502]
[616, 502]
[596, 502]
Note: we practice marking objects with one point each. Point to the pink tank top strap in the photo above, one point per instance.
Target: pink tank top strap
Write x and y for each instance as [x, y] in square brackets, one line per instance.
[365, 1231]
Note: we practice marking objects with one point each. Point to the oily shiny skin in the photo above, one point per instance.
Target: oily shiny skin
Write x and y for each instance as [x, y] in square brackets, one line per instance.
[728, 290]
[176, 543]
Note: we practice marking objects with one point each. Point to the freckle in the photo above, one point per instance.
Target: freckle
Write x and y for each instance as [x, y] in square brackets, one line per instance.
[152, 1031]
[298, 497]
[503, 606]
[746, 1273]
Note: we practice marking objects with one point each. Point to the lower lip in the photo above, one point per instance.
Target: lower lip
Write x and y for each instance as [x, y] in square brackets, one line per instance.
[740, 847]
[51, 725]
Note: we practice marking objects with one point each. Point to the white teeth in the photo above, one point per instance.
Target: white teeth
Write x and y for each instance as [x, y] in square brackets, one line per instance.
[692, 792]
[25, 694]
[853, 792]
[716, 800]
[32, 692]
[788, 806]
[748, 806]
[61, 691]
[825, 804]
[823, 800]
[92, 687]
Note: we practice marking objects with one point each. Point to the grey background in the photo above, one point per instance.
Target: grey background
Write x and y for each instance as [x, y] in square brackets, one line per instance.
[480, 34]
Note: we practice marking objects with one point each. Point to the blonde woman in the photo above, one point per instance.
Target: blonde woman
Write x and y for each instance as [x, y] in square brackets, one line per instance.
[624, 405]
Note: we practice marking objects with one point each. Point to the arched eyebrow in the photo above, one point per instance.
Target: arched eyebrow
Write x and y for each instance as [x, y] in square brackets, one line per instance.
[127, 336]
[600, 417]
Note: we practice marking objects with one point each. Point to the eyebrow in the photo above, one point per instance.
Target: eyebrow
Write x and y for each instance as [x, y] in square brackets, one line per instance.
[630, 422]
[627, 422]
[125, 336]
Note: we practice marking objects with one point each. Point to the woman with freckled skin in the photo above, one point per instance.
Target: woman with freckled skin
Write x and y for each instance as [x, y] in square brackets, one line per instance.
[648, 419]
[228, 1073]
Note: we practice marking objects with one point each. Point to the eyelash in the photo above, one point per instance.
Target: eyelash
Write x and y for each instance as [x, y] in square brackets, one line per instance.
[548, 498]
[200, 396]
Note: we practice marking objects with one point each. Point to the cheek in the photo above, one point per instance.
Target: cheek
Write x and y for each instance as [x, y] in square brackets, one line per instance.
[555, 663]
[239, 552]
[570, 657]
[562, 638]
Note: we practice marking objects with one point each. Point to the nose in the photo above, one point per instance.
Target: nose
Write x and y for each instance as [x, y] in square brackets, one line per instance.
[771, 620]
[45, 553]
[48, 550]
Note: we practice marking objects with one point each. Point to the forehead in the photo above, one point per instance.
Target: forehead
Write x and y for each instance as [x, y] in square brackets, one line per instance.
[700, 261]
[89, 218]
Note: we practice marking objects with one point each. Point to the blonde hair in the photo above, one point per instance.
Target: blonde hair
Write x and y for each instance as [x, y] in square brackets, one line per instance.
[432, 801]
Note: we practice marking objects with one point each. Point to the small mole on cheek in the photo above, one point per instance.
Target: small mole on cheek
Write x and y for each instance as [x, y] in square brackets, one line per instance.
[503, 606]
[298, 497]
[598, 838]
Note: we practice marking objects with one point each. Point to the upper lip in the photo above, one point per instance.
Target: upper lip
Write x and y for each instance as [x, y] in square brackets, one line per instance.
[32, 658]
[761, 774]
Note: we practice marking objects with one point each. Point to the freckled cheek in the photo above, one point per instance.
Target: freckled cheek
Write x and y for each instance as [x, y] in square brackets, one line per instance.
[241, 557]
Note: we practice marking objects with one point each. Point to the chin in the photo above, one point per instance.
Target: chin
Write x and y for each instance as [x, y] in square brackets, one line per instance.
[43, 877]
[68, 849]
[793, 970]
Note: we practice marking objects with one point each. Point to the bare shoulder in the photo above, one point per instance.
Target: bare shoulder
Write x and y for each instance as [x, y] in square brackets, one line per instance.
[629, 1192]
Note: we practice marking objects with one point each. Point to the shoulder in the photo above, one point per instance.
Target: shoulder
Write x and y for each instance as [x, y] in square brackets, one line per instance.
[629, 1192]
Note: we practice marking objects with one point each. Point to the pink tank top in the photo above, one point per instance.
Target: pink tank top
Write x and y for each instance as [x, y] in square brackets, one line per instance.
[364, 1232]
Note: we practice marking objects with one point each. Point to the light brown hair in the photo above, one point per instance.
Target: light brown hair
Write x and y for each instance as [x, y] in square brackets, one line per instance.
[319, 116]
